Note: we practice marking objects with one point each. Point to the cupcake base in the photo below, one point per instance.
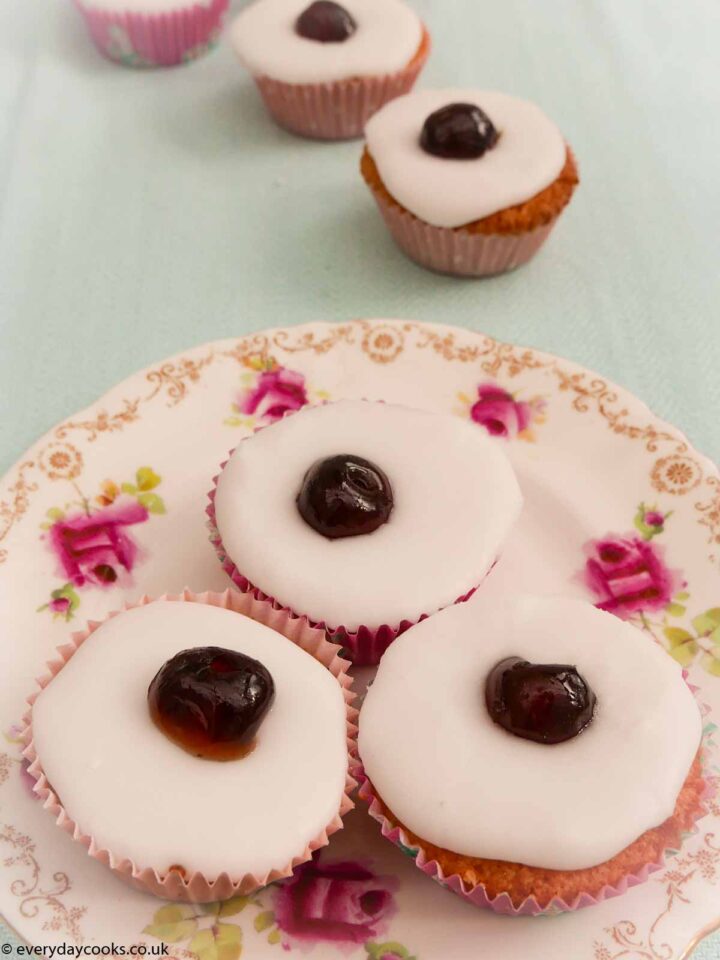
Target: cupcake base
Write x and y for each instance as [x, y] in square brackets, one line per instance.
[456, 251]
[155, 40]
[495, 244]
[514, 889]
[176, 884]
[337, 110]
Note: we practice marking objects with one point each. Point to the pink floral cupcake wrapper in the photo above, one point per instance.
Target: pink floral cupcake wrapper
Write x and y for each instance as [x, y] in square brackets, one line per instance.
[502, 903]
[338, 110]
[458, 251]
[198, 888]
[364, 646]
[155, 39]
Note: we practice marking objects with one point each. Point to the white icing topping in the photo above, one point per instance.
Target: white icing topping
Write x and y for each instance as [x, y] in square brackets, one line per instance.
[528, 156]
[145, 798]
[387, 38]
[455, 499]
[144, 6]
[458, 780]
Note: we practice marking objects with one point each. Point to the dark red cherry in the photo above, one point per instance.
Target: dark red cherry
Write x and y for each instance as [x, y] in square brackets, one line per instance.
[544, 702]
[211, 701]
[459, 131]
[344, 496]
[326, 22]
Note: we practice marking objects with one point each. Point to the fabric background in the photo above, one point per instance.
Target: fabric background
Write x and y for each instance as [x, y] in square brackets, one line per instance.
[144, 212]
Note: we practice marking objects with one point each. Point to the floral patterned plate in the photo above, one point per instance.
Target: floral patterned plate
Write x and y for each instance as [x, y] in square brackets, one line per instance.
[111, 504]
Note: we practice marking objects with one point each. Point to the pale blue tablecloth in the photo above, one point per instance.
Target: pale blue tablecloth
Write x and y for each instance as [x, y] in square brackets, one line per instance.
[143, 212]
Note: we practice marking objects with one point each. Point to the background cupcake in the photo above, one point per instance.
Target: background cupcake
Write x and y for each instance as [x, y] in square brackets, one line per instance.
[324, 68]
[469, 182]
[153, 33]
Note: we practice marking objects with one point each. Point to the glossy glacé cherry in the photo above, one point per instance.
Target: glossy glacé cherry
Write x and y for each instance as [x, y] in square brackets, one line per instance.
[544, 702]
[345, 496]
[325, 22]
[211, 701]
[459, 131]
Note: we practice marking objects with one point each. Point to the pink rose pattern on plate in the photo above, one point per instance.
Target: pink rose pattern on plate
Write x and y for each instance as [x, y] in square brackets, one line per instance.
[92, 548]
[276, 393]
[629, 575]
[343, 903]
[502, 414]
[269, 392]
[92, 542]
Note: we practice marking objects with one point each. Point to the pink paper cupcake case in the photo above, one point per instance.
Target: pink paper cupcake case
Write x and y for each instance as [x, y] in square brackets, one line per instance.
[155, 39]
[198, 888]
[502, 903]
[364, 646]
[457, 251]
[337, 110]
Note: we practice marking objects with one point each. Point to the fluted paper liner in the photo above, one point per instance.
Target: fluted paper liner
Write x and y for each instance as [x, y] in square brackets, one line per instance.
[457, 251]
[198, 888]
[165, 39]
[503, 903]
[337, 110]
[363, 646]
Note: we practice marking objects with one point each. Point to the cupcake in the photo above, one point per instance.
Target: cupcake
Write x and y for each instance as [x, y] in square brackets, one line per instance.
[324, 68]
[197, 745]
[469, 182]
[153, 33]
[533, 755]
[363, 516]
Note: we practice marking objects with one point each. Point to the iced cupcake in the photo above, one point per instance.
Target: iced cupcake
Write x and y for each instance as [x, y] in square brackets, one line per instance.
[363, 517]
[469, 182]
[534, 755]
[153, 33]
[324, 68]
[198, 745]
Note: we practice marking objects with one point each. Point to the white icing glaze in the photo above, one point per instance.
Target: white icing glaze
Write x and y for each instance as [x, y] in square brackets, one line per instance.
[144, 6]
[455, 500]
[145, 798]
[528, 156]
[463, 783]
[387, 37]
